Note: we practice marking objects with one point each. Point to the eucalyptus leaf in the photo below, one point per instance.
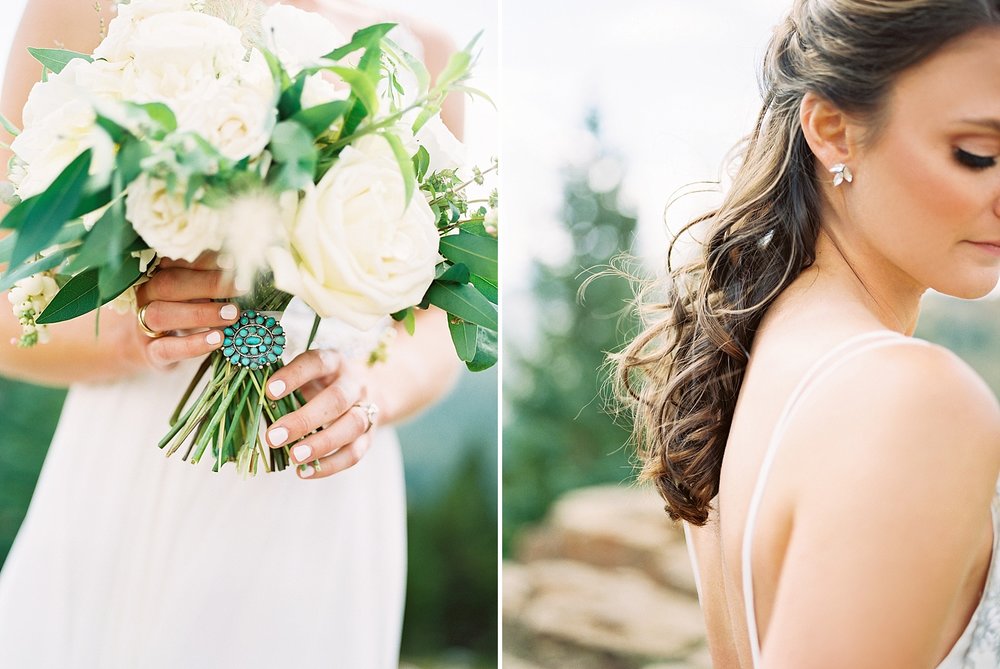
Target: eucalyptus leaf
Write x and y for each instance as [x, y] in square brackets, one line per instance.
[56, 59]
[362, 86]
[405, 166]
[52, 208]
[103, 240]
[464, 336]
[455, 274]
[465, 302]
[293, 148]
[489, 289]
[479, 254]
[487, 351]
[290, 102]
[409, 319]
[112, 283]
[78, 297]
[412, 63]
[361, 39]
[43, 265]
[456, 69]
[8, 126]
[318, 119]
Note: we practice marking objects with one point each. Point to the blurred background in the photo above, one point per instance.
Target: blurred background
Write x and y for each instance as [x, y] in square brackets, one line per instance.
[609, 108]
[451, 471]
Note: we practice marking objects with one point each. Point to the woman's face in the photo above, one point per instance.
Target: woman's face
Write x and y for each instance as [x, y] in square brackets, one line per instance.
[926, 193]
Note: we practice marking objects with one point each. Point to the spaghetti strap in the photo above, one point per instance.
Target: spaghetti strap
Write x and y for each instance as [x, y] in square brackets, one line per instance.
[816, 373]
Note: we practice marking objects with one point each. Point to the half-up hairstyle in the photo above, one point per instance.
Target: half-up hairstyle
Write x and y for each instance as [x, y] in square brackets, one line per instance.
[683, 373]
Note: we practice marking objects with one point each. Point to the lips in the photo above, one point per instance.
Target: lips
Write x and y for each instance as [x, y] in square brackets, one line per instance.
[990, 247]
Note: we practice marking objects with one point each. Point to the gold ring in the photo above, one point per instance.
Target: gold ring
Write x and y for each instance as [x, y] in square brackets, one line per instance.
[371, 413]
[141, 317]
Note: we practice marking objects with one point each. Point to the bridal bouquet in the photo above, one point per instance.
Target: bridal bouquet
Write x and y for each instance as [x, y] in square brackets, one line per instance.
[317, 164]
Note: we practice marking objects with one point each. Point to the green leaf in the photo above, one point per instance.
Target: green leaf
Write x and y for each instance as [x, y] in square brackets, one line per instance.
[455, 274]
[318, 119]
[487, 351]
[8, 126]
[112, 283]
[456, 69]
[129, 160]
[489, 289]
[426, 114]
[362, 39]
[103, 240]
[161, 115]
[57, 59]
[464, 336]
[362, 87]
[78, 297]
[421, 161]
[409, 318]
[414, 64]
[405, 165]
[70, 233]
[292, 146]
[479, 254]
[475, 92]
[465, 302]
[290, 102]
[51, 209]
[43, 265]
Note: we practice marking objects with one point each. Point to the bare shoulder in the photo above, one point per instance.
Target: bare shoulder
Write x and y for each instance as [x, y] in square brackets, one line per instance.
[906, 411]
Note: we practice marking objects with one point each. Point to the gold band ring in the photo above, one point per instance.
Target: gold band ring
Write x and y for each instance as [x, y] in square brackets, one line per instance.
[146, 330]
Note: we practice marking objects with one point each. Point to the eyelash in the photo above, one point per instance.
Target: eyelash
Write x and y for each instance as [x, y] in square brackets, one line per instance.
[974, 161]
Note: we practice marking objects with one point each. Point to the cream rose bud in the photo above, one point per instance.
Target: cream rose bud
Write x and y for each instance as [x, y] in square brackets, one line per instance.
[172, 230]
[445, 150]
[356, 253]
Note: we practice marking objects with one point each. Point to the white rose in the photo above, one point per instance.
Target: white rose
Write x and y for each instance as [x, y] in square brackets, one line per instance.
[446, 151]
[299, 38]
[194, 63]
[355, 253]
[119, 43]
[163, 222]
[59, 125]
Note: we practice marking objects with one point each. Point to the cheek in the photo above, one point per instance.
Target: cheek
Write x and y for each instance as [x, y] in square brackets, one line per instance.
[915, 206]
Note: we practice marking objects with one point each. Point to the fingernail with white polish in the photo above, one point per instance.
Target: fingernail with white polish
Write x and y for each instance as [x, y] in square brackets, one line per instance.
[214, 338]
[277, 436]
[229, 312]
[302, 453]
[276, 388]
[305, 471]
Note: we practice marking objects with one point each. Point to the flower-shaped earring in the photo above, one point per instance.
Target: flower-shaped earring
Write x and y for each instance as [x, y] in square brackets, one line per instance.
[841, 173]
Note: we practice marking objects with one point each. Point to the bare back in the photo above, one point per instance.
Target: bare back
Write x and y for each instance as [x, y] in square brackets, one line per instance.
[784, 350]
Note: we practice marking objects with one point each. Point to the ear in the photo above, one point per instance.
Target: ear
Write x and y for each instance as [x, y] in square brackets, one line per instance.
[830, 132]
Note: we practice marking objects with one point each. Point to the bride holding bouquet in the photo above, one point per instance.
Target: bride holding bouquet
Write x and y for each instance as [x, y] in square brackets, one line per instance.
[126, 559]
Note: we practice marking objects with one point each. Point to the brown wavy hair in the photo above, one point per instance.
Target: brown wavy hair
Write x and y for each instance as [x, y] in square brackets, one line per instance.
[681, 376]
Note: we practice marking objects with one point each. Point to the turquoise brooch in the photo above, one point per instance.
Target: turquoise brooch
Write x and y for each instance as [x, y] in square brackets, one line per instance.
[256, 341]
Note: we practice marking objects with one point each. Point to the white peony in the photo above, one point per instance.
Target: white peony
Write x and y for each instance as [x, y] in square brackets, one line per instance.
[355, 253]
[163, 222]
[59, 125]
[446, 151]
[299, 38]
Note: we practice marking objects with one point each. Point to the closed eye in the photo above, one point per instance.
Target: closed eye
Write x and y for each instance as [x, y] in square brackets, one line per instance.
[973, 160]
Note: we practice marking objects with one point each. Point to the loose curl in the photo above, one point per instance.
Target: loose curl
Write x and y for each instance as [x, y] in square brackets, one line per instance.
[682, 375]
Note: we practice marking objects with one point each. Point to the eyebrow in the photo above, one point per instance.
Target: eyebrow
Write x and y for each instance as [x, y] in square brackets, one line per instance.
[991, 123]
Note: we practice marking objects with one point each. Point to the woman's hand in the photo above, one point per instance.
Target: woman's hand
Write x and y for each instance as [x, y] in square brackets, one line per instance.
[178, 298]
[335, 391]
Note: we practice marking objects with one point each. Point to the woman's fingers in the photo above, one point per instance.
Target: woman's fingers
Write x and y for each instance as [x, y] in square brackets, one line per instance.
[165, 316]
[344, 458]
[342, 432]
[208, 260]
[177, 284]
[329, 405]
[303, 369]
[166, 351]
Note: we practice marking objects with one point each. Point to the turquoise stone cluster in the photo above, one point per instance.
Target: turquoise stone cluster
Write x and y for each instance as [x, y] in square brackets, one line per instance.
[256, 341]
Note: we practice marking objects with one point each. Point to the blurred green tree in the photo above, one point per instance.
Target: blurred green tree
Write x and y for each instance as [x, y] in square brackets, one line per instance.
[556, 434]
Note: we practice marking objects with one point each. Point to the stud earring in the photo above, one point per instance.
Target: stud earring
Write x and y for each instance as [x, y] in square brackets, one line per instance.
[841, 173]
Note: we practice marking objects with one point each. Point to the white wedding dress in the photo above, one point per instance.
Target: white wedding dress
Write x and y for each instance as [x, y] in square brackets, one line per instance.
[129, 559]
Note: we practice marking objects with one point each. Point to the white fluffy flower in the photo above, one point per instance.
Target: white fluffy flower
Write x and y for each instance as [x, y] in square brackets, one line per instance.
[355, 252]
[299, 38]
[164, 223]
[253, 223]
[446, 151]
[59, 125]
